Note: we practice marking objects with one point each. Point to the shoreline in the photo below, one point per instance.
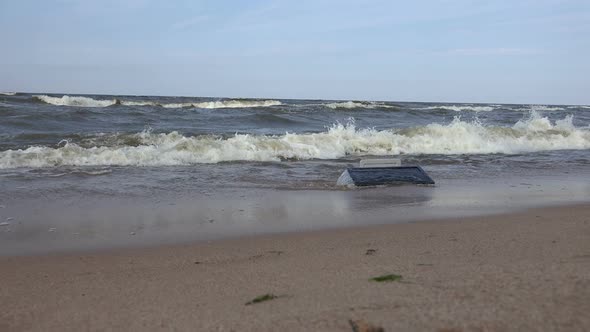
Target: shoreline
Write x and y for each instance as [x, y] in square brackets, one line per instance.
[520, 270]
[61, 223]
[146, 245]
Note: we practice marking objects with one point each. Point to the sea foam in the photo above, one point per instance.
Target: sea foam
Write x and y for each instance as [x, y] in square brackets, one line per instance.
[75, 101]
[540, 108]
[534, 133]
[231, 103]
[461, 108]
[357, 104]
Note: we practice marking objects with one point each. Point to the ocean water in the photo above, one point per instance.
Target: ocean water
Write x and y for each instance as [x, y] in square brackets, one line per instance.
[59, 151]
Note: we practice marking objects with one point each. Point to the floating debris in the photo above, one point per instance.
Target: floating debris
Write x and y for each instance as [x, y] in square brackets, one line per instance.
[373, 172]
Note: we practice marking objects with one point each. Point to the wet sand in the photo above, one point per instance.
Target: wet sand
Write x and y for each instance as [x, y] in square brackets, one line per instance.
[67, 221]
[518, 271]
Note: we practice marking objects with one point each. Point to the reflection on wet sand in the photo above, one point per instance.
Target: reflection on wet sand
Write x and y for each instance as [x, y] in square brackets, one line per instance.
[77, 223]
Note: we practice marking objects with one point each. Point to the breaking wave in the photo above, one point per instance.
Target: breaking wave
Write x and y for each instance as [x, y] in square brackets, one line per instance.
[489, 108]
[357, 104]
[137, 103]
[8, 93]
[226, 104]
[541, 108]
[75, 101]
[79, 101]
[461, 108]
[535, 133]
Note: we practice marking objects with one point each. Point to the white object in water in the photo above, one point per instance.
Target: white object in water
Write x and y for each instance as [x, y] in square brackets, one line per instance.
[345, 180]
[382, 162]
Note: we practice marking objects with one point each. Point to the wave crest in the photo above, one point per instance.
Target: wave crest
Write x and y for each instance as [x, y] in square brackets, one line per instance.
[535, 133]
[75, 101]
[357, 104]
[231, 103]
[79, 101]
[460, 108]
[540, 108]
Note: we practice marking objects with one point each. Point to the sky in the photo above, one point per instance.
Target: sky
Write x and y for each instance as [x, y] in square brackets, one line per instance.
[504, 51]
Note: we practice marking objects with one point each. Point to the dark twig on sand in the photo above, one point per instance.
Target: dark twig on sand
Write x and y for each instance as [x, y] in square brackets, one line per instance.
[387, 278]
[262, 298]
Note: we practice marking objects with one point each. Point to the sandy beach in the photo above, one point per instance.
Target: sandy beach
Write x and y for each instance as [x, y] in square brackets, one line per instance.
[513, 272]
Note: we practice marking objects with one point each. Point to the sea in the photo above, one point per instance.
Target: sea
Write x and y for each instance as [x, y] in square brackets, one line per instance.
[89, 171]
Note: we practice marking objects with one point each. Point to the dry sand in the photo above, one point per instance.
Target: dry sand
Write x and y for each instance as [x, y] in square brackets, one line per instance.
[521, 271]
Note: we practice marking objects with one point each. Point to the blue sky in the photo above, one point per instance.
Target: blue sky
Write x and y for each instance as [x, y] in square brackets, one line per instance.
[448, 50]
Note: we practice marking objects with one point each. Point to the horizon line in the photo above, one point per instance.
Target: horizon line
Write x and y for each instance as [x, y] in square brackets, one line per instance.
[282, 98]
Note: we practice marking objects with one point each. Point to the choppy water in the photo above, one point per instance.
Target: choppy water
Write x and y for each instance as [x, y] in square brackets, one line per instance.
[95, 165]
[280, 143]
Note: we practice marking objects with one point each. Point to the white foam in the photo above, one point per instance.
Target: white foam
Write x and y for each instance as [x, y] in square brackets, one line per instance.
[75, 101]
[535, 133]
[356, 104]
[231, 103]
[90, 102]
[540, 108]
[8, 93]
[461, 108]
[237, 103]
[177, 105]
[138, 103]
[97, 172]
